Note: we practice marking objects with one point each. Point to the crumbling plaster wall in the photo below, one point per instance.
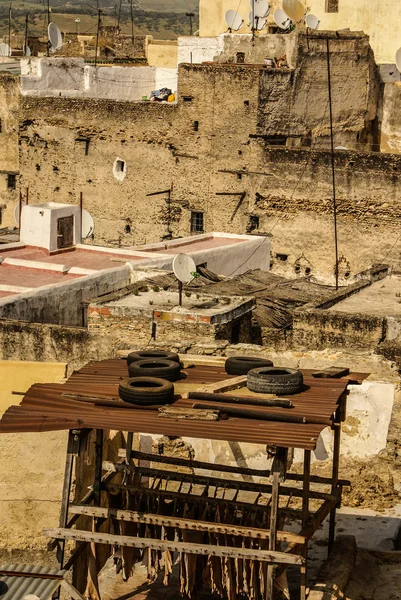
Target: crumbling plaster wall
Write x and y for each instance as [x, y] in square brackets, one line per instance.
[390, 131]
[9, 152]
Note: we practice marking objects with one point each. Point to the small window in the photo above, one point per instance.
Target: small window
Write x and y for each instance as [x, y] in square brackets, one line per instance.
[197, 222]
[240, 57]
[120, 166]
[246, 102]
[196, 125]
[187, 98]
[11, 181]
[332, 6]
[276, 140]
[85, 142]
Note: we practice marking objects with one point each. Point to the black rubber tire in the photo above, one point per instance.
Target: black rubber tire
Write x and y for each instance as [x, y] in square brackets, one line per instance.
[275, 380]
[152, 354]
[241, 365]
[146, 391]
[158, 367]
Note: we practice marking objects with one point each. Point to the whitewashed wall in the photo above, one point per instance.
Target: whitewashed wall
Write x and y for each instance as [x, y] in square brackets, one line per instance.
[70, 77]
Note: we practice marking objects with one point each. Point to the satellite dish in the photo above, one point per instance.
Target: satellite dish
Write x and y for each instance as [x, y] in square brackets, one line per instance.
[341, 148]
[88, 225]
[312, 22]
[54, 36]
[281, 19]
[294, 9]
[27, 51]
[398, 59]
[258, 23]
[5, 50]
[184, 267]
[16, 212]
[261, 8]
[233, 20]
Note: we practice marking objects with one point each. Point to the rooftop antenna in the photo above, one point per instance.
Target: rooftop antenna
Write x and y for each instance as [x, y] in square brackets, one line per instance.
[184, 269]
[9, 29]
[27, 50]
[282, 20]
[77, 22]
[233, 20]
[132, 22]
[295, 10]
[398, 61]
[191, 16]
[312, 22]
[333, 172]
[99, 17]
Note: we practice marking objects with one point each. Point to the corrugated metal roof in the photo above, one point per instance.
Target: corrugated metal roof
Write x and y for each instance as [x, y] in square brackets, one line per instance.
[17, 581]
[46, 408]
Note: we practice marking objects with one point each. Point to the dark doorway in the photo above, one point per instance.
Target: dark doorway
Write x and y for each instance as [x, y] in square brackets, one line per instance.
[235, 332]
[65, 232]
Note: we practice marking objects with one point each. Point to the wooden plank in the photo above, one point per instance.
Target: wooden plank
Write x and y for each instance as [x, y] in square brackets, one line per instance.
[182, 547]
[305, 521]
[179, 523]
[214, 481]
[336, 464]
[247, 413]
[196, 464]
[177, 413]
[228, 385]
[250, 400]
[331, 373]
[273, 531]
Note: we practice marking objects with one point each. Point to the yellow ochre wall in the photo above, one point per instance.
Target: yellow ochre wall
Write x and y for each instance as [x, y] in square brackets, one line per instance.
[380, 20]
[163, 53]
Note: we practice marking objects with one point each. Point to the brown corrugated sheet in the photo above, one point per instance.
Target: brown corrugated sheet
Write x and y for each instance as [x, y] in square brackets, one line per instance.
[44, 408]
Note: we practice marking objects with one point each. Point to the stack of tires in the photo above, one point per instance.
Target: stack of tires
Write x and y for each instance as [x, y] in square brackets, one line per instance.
[263, 377]
[151, 373]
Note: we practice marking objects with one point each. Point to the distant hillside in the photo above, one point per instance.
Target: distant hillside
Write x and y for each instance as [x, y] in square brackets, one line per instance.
[164, 19]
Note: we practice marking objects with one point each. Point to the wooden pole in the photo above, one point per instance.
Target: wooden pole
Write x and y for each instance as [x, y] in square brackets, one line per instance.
[98, 466]
[27, 196]
[20, 213]
[26, 36]
[305, 519]
[80, 210]
[99, 12]
[336, 462]
[9, 29]
[132, 23]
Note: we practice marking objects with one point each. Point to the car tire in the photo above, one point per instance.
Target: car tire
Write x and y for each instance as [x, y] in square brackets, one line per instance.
[152, 354]
[146, 391]
[241, 365]
[275, 380]
[157, 367]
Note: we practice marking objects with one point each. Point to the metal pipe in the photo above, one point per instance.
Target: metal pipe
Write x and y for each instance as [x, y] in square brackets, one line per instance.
[80, 210]
[333, 173]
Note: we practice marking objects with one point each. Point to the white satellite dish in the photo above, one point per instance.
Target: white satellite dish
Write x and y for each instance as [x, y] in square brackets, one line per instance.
[398, 59]
[341, 148]
[27, 51]
[184, 267]
[261, 8]
[258, 23]
[5, 50]
[233, 20]
[88, 225]
[312, 22]
[54, 35]
[16, 212]
[281, 19]
[294, 9]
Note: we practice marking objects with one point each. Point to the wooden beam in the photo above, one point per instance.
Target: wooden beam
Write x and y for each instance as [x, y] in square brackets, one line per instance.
[181, 547]
[214, 481]
[196, 464]
[305, 520]
[179, 523]
[336, 463]
[71, 591]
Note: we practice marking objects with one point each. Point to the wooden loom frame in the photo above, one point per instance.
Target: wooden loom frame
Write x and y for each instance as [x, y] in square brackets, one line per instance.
[277, 561]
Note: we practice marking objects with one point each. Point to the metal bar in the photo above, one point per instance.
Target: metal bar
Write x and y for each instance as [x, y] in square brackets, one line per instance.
[179, 523]
[215, 482]
[333, 172]
[30, 575]
[181, 547]
[196, 464]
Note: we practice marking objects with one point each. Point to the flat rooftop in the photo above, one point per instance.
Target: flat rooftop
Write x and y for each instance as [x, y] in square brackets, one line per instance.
[382, 299]
[197, 245]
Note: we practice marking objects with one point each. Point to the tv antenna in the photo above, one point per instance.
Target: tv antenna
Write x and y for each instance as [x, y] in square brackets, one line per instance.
[5, 50]
[184, 269]
[294, 9]
[312, 22]
[233, 20]
[282, 20]
[54, 35]
[27, 50]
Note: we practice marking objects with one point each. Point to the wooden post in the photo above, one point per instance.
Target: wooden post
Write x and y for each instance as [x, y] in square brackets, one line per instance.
[336, 461]
[305, 519]
[128, 450]
[98, 466]
[278, 470]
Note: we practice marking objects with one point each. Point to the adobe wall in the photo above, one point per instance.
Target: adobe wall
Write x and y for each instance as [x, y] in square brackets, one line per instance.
[9, 152]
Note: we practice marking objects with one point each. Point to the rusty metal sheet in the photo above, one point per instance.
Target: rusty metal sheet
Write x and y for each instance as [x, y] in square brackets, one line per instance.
[45, 408]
